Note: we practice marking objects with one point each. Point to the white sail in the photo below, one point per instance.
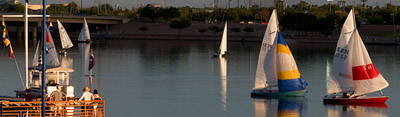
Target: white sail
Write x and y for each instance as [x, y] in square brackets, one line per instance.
[340, 77]
[51, 53]
[65, 40]
[266, 74]
[36, 58]
[366, 78]
[223, 47]
[84, 34]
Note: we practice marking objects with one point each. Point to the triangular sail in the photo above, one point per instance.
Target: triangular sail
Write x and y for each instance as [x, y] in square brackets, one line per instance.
[36, 57]
[223, 46]
[51, 53]
[84, 34]
[266, 73]
[289, 78]
[366, 78]
[65, 40]
[340, 77]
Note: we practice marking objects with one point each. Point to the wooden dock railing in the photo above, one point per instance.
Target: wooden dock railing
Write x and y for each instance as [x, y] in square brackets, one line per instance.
[94, 108]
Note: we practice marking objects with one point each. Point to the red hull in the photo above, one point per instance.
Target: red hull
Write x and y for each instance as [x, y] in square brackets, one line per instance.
[362, 100]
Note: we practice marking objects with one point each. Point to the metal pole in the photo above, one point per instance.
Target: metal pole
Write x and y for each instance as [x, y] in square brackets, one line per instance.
[43, 60]
[26, 44]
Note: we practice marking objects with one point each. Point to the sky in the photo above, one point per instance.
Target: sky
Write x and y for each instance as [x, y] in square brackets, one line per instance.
[201, 3]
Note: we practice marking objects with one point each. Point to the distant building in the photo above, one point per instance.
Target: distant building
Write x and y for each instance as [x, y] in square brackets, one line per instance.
[36, 6]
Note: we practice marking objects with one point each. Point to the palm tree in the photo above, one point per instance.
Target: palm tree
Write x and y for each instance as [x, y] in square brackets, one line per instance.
[364, 3]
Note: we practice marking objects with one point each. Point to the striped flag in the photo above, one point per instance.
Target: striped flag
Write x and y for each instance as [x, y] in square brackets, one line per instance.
[6, 40]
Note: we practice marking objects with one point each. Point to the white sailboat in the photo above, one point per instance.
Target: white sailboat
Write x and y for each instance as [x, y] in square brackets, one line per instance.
[65, 40]
[352, 70]
[84, 35]
[276, 66]
[224, 43]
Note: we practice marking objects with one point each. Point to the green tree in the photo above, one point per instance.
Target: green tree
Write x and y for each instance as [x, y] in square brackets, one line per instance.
[17, 8]
[72, 8]
[168, 13]
[148, 12]
[180, 25]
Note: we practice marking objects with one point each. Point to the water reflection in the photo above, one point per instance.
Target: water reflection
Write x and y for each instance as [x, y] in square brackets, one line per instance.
[67, 62]
[280, 107]
[222, 63]
[84, 49]
[377, 110]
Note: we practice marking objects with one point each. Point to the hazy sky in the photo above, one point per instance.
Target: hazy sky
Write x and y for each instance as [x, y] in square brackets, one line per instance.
[201, 3]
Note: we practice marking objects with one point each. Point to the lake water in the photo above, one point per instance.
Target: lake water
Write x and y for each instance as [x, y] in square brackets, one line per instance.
[180, 78]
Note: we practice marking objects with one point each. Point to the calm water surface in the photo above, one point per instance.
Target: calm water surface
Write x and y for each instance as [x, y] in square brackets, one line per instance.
[180, 78]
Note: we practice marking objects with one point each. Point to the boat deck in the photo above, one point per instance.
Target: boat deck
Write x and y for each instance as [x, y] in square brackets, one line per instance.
[94, 108]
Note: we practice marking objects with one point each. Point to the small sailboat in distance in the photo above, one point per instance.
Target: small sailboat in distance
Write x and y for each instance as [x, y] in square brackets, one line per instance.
[276, 66]
[352, 70]
[223, 46]
[84, 35]
[65, 40]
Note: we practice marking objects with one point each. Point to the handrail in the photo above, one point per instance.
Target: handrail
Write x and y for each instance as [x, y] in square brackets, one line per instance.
[93, 108]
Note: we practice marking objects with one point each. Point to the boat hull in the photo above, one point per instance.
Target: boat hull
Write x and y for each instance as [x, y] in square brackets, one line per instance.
[275, 93]
[217, 54]
[361, 100]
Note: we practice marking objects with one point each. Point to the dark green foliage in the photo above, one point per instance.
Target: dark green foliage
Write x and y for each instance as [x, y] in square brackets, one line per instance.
[180, 25]
[17, 8]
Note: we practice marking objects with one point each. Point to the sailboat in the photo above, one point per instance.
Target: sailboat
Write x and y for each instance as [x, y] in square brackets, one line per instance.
[55, 75]
[65, 40]
[223, 46]
[276, 66]
[352, 70]
[84, 35]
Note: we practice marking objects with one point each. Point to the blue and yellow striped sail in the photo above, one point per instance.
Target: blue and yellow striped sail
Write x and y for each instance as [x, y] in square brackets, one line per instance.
[289, 77]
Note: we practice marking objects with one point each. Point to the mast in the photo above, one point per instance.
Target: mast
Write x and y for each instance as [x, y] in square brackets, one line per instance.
[26, 44]
[43, 59]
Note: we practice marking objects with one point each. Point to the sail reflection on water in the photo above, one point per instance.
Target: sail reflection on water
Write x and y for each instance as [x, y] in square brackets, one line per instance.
[280, 107]
[356, 110]
[223, 64]
[84, 49]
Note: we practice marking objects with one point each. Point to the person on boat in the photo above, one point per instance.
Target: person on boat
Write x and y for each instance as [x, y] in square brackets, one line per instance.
[96, 95]
[346, 95]
[86, 96]
[28, 96]
[57, 95]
